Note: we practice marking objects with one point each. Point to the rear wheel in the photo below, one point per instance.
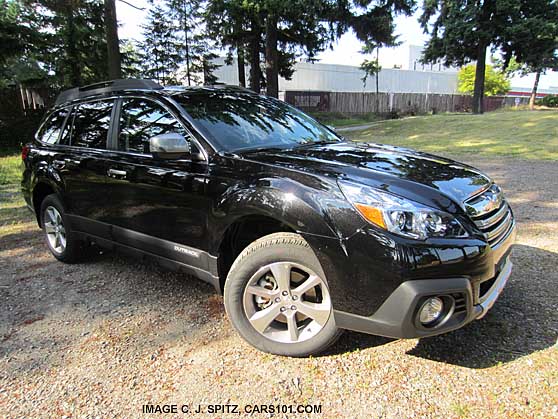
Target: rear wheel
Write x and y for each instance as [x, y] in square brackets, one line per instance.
[277, 297]
[60, 239]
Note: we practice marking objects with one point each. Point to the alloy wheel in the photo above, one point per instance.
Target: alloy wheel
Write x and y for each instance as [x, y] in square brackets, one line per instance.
[287, 302]
[55, 231]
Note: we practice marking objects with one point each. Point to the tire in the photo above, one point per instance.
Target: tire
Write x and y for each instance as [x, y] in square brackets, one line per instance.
[70, 249]
[279, 277]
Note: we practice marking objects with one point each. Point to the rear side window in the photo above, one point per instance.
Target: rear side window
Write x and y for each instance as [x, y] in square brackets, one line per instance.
[50, 131]
[91, 124]
[141, 119]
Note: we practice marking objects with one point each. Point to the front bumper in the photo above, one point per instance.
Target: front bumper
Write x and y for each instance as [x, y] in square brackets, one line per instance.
[397, 317]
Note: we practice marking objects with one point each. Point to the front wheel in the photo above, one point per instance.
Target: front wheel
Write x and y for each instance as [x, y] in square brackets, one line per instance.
[277, 297]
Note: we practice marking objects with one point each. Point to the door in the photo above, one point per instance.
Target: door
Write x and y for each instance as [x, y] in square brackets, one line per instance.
[83, 165]
[156, 205]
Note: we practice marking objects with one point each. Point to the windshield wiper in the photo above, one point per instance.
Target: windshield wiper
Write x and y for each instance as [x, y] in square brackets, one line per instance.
[256, 149]
[321, 142]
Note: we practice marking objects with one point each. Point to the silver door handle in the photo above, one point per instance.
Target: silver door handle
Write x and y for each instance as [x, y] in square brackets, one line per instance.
[115, 172]
[72, 162]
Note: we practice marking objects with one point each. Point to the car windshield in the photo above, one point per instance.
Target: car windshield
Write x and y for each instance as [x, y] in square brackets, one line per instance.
[240, 122]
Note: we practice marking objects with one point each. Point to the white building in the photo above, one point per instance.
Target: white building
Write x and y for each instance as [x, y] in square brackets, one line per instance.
[408, 57]
[344, 78]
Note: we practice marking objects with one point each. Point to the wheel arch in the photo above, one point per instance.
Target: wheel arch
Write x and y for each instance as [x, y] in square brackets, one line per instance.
[40, 191]
[276, 205]
[240, 233]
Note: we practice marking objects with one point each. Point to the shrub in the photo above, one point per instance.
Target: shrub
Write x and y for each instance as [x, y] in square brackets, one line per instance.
[550, 101]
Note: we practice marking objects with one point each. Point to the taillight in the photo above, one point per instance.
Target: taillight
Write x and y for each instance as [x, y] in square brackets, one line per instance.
[24, 152]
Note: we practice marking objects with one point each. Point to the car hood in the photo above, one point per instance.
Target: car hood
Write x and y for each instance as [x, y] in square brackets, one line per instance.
[424, 178]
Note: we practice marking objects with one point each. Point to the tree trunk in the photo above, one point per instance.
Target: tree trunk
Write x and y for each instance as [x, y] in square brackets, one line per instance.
[187, 47]
[255, 80]
[377, 81]
[72, 53]
[478, 95]
[240, 64]
[533, 97]
[271, 62]
[113, 47]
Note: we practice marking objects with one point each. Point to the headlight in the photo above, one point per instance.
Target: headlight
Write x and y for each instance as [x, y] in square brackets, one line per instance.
[401, 216]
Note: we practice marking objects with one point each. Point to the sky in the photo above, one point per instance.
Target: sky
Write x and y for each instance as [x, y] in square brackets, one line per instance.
[345, 51]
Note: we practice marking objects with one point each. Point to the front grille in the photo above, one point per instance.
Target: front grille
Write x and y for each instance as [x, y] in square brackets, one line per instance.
[495, 221]
[496, 224]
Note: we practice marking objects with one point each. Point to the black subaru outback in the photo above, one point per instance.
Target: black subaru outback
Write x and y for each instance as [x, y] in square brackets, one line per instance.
[304, 232]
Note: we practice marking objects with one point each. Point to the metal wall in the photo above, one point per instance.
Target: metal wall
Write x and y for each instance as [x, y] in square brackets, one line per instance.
[344, 78]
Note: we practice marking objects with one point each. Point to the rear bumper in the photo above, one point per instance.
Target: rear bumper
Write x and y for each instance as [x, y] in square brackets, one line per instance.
[398, 315]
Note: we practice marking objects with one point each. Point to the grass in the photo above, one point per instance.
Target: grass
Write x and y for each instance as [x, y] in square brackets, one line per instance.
[337, 119]
[14, 215]
[10, 169]
[518, 134]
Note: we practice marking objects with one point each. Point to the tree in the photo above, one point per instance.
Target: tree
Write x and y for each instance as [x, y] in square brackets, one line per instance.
[196, 48]
[539, 66]
[495, 82]
[113, 44]
[76, 53]
[539, 63]
[372, 68]
[160, 48]
[532, 39]
[287, 30]
[131, 60]
[12, 31]
[20, 44]
[462, 32]
[310, 27]
[237, 25]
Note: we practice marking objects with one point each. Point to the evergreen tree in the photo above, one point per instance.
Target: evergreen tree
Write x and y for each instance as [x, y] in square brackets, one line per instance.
[532, 39]
[237, 25]
[291, 29]
[197, 48]
[20, 44]
[76, 53]
[131, 60]
[161, 47]
[461, 31]
[113, 45]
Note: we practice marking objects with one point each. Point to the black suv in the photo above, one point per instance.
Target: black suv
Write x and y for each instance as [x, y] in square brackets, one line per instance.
[304, 232]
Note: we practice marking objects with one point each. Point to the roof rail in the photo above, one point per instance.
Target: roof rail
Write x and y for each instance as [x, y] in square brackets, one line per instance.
[106, 87]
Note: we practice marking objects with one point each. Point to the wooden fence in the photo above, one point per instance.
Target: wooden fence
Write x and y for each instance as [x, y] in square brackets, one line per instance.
[21, 110]
[384, 103]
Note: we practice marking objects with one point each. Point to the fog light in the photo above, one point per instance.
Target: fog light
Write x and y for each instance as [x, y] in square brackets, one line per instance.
[431, 310]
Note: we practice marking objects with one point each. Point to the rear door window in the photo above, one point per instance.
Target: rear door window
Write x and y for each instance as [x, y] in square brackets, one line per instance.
[91, 124]
[50, 131]
[141, 119]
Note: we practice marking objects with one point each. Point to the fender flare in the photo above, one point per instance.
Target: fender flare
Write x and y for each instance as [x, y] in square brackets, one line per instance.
[283, 200]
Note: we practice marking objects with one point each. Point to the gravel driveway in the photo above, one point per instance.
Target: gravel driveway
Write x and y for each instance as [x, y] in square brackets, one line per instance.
[103, 338]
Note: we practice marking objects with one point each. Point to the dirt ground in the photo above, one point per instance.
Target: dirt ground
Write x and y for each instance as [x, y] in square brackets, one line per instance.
[103, 338]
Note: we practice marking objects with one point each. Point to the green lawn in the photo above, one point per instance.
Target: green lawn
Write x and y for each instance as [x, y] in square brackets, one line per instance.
[13, 212]
[520, 134]
[337, 119]
[10, 169]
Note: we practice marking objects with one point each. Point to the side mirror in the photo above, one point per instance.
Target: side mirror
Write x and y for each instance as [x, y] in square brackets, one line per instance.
[169, 146]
